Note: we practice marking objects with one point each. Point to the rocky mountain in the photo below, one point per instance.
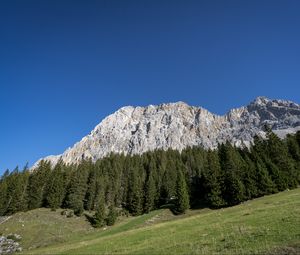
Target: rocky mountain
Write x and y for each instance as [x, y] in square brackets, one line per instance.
[134, 130]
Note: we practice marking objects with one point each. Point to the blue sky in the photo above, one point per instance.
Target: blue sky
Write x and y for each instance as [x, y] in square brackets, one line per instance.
[65, 65]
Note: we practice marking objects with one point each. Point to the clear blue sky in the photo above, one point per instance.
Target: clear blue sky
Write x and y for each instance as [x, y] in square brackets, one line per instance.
[65, 65]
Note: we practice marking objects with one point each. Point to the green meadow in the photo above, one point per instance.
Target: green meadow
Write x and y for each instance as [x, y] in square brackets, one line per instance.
[267, 225]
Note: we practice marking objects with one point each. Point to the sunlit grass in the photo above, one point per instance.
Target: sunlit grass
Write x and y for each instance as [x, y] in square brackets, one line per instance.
[255, 227]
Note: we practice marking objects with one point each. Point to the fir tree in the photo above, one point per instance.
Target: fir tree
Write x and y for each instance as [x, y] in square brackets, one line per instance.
[264, 182]
[249, 176]
[233, 189]
[77, 188]
[3, 196]
[182, 197]
[36, 185]
[112, 216]
[135, 193]
[150, 189]
[17, 191]
[89, 201]
[213, 181]
[55, 191]
[100, 215]
[278, 153]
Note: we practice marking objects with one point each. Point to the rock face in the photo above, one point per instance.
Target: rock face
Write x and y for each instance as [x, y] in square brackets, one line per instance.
[134, 130]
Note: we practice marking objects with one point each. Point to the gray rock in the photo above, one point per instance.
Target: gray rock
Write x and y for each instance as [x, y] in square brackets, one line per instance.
[8, 245]
[134, 130]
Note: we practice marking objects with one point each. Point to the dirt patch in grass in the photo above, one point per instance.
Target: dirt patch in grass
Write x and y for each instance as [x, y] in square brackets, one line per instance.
[293, 249]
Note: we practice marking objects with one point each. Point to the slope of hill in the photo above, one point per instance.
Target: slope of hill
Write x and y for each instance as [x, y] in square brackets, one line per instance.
[134, 130]
[270, 224]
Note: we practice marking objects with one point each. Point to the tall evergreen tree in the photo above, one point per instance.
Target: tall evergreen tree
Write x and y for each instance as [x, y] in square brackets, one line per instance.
[37, 182]
[3, 196]
[55, 190]
[112, 216]
[16, 191]
[100, 215]
[249, 175]
[233, 189]
[182, 196]
[77, 188]
[135, 192]
[278, 153]
[213, 180]
[89, 201]
[263, 181]
[150, 193]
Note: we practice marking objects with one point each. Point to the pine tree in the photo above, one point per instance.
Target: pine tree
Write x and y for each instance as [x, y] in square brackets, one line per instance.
[213, 181]
[3, 196]
[37, 183]
[89, 201]
[249, 176]
[150, 189]
[55, 190]
[17, 191]
[112, 216]
[100, 215]
[182, 196]
[279, 180]
[233, 189]
[294, 151]
[264, 182]
[77, 188]
[278, 153]
[135, 193]
[169, 170]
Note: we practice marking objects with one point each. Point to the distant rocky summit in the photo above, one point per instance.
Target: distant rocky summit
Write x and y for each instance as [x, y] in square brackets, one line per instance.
[134, 130]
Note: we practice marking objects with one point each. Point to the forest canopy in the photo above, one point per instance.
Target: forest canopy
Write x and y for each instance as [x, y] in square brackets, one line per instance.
[138, 184]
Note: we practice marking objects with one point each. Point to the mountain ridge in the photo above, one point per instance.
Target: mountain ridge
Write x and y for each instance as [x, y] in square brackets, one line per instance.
[135, 130]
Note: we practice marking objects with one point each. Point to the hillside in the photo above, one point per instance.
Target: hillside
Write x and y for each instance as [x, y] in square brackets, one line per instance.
[270, 224]
[135, 130]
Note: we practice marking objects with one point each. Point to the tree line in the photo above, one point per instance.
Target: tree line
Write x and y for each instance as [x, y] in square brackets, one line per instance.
[141, 183]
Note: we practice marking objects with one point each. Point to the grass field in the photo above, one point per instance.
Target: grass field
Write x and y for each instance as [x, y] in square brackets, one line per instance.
[269, 224]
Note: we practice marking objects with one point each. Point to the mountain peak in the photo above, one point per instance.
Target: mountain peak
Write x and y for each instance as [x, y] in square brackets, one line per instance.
[135, 130]
[260, 100]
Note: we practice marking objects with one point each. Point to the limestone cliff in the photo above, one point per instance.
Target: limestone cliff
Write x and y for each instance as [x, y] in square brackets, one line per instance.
[134, 130]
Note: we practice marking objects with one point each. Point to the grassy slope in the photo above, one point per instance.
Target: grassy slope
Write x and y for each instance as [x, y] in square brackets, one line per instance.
[43, 227]
[256, 226]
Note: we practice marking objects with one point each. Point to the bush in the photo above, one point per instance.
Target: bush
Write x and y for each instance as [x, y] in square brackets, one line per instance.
[70, 214]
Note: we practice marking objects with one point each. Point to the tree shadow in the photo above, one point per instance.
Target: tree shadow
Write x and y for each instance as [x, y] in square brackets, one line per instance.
[90, 218]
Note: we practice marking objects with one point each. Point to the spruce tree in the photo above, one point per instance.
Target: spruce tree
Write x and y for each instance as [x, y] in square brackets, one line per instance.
[150, 189]
[112, 216]
[77, 188]
[36, 185]
[213, 181]
[3, 196]
[89, 201]
[55, 190]
[264, 182]
[278, 153]
[17, 191]
[182, 197]
[249, 176]
[233, 189]
[135, 192]
[100, 215]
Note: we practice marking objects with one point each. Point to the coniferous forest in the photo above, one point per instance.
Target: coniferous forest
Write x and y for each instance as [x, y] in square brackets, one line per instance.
[138, 184]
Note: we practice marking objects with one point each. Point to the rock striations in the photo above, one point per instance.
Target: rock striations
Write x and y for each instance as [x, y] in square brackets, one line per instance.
[134, 130]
